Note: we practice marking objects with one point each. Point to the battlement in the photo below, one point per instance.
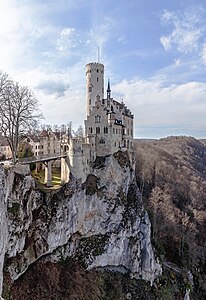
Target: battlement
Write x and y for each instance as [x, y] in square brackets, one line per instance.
[95, 64]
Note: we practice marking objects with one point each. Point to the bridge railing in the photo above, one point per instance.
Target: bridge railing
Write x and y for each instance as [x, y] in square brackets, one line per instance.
[41, 157]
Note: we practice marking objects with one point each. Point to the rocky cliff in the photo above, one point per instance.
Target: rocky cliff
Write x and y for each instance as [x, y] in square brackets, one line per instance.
[101, 223]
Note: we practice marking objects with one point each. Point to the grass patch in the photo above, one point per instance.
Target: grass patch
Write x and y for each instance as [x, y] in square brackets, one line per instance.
[56, 177]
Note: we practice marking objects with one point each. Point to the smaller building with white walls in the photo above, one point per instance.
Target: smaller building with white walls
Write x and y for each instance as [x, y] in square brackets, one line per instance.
[108, 127]
[5, 149]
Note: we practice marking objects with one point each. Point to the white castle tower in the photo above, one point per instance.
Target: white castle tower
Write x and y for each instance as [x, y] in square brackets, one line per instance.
[108, 127]
[94, 84]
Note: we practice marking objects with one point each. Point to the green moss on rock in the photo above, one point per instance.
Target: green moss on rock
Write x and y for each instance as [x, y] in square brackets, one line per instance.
[122, 158]
[91, 184]
[90, 247]
[14, 210]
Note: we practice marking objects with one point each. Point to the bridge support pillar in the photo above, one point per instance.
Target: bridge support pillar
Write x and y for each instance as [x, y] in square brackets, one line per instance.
[48, 174]
[64, 170]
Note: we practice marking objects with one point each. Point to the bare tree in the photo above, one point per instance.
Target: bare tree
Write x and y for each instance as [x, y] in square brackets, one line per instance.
[79, 132]
[18, 111]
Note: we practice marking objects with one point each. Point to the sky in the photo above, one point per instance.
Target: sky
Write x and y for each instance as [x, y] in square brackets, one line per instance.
[154, 53]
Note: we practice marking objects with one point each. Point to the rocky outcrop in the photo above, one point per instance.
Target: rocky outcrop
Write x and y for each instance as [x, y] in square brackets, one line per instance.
[100, 223]
[3, 225]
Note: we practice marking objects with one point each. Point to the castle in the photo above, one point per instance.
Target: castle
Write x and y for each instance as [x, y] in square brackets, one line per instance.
[108, 127]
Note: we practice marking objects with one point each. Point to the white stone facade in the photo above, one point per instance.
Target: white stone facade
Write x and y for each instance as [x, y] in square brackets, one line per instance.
[108, 126]
[94, 84]
[47, 142]
[6, 150]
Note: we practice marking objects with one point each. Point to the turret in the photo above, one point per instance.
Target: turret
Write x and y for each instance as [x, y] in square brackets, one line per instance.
[108, 90]
[94, 84]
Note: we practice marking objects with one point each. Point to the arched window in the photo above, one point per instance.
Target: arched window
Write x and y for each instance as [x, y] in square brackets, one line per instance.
[102, 141]
[90, 89]
[97, 130]
[105, 130]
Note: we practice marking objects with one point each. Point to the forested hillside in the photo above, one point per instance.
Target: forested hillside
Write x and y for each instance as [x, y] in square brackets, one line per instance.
[171, 175]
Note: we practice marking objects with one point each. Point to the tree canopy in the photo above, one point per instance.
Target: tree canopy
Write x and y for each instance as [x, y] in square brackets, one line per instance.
[19, 111]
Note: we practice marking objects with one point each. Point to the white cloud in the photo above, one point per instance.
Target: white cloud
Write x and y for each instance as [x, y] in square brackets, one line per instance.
[203, 54]
[50, 56]
[39, 52]
[176, 109]
[177, 62]
[20, 35]
[67, 40]
[186, 29]
[122, 40]
[101, 30]
[166, 42]
[61, 93]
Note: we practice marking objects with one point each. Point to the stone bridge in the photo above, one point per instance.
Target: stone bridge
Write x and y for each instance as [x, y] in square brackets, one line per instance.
[47, 161]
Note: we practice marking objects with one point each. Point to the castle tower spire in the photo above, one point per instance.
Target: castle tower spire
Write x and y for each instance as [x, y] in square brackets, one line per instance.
[108, 90]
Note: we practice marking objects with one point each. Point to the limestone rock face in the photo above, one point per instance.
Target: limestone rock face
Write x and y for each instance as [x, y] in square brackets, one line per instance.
[3, 225]
[101, 222]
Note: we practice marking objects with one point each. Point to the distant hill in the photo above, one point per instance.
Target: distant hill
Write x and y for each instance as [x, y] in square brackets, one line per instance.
[203, 141]
[171, 175]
